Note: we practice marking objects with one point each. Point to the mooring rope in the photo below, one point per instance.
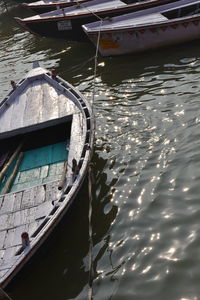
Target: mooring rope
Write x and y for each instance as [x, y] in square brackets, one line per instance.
[90, 176]
[96, 61]
[83, 6]
[91, 270]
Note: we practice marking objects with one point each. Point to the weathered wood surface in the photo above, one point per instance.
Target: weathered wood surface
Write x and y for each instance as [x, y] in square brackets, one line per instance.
[37, 103]
[23, 211]
[77, 139]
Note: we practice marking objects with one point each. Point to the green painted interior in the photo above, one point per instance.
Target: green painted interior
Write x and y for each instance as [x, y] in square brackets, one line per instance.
[38, 166]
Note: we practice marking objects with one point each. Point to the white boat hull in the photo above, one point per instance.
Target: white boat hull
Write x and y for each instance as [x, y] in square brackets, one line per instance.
[134, 41]
[156, 27]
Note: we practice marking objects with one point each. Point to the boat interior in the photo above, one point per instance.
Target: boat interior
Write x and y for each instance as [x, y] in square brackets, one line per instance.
[186, 10]
[34, 158]
[132, 1]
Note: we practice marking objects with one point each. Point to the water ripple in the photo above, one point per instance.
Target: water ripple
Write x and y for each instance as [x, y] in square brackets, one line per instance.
[146, 170]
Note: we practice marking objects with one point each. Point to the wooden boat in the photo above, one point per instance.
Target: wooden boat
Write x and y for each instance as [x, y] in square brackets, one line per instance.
[156, 27]
[47, 5]
[66, 23]
[46, 134]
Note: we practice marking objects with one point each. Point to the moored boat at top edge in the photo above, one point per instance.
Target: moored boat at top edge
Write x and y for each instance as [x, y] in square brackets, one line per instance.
[46, 135]
[66, 23]
[47, 5]
[156, 27]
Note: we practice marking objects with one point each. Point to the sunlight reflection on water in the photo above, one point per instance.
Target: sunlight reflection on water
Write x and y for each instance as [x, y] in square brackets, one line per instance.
[146, 170]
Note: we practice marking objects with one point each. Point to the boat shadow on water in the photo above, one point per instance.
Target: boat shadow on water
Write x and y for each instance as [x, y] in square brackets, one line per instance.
[67, 274]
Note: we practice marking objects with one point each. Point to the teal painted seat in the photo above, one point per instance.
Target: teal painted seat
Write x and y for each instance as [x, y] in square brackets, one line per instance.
[38, 166]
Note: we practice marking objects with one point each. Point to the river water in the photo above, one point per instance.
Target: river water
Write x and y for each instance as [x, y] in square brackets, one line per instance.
[146, 171]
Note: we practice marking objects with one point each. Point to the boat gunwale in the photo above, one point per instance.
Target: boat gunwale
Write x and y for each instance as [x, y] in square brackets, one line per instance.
[73, 16]
[52, 4]
[160, 24]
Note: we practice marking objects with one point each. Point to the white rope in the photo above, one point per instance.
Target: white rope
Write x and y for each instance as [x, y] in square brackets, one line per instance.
[90, 177]
[83, 6]
[96, 61]
[91, 270]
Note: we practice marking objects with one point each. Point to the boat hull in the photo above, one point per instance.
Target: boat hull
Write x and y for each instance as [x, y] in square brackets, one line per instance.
[46, 8]
[132, 41]
[53, 132]
[69, 27]
[42, 8]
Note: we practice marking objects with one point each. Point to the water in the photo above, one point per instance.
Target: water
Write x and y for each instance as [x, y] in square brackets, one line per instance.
[146, 206]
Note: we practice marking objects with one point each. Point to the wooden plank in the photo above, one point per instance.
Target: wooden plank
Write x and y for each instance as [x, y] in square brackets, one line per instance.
[8, 203]
[17, 235]
[41, 194]
[55, 173]
[60, 167]
[13, 236]
[9, 255]
[25, 176]
[20, 217]
[33, 226]
[77, 139]
[26, 185]
[33, 104]
[2, 238]
[29, 198]
[27, 215]
[3, 221]
[52, 171]
[52, 192]
[6, 120]
[65, 106]
[43, 210]
[49, 102]
[3, 272]
[2, 251]
[44, 172]
[7, 112]
[8, 242]
[31, 213]
[18, 107]
[25, 199]
[18, 200]
[14, 219]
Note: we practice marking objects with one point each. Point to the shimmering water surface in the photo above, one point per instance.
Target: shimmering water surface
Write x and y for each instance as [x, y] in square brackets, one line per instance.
[146, 171]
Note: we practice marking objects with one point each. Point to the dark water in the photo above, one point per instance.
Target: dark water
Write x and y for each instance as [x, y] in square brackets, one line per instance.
[146, 205]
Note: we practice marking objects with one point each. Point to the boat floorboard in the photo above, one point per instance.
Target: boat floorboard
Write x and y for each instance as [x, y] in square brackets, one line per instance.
[22, 211]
